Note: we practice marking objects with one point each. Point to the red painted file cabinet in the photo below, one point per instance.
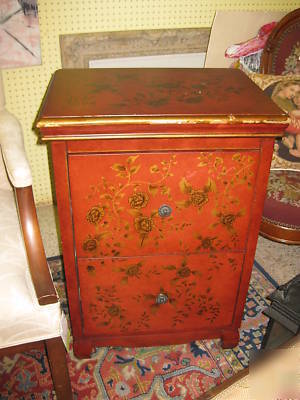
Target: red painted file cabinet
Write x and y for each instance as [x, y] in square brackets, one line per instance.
[160, 178]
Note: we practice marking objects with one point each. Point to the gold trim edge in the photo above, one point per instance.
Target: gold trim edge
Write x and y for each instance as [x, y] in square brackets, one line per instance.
[211, 120]
[96, 136]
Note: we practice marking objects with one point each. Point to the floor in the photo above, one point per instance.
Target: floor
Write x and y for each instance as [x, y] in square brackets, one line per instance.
[279, 260]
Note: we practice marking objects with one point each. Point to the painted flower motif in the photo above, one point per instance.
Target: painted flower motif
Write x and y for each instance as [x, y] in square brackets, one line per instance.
[138, 200]
[114, 310]
[207, 242]
[198, 198]
[133, 270]
[227, 219]
[95, 215]
[90, 244]
[143, 225]
[184, 272]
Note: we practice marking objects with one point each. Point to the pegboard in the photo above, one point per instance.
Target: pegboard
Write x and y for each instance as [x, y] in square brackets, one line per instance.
[25, 87]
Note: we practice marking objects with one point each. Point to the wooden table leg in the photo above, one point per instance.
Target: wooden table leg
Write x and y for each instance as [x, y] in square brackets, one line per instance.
[59, 369]
[276, 335]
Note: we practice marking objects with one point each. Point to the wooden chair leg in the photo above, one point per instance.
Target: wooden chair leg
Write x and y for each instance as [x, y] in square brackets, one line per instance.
[58, 366]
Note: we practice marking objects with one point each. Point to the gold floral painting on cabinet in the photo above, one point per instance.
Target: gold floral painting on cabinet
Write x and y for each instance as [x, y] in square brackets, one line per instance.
[139, 204]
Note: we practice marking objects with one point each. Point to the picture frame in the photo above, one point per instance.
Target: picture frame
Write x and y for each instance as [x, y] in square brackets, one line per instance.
[77, 50]
[283, 157]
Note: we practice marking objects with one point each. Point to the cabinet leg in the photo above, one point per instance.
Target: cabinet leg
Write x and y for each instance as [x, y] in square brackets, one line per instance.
[82, 348]
[230, 338]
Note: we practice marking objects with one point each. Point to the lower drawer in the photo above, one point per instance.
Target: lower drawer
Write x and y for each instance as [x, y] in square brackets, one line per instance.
[158, 293]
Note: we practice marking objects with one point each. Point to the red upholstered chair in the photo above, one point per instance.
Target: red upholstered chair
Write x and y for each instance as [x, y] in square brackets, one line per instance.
[281, 216]
[30, 313]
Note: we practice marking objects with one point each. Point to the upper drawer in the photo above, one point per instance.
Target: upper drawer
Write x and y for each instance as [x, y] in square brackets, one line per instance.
[162, 203]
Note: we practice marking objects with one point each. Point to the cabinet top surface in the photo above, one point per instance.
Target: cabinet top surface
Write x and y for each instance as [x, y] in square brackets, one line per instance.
[160, 95]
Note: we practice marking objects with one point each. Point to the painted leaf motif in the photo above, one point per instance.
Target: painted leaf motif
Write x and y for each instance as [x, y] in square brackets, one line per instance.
[211, 185]
[184, 186]
[131, 159]
[118, 167]
[236, 157]
[103, 235]
[218, 161]
[154, 169]
[106, 196]
[153, 189]
[165, 190]
[170, 267]
[134, 169]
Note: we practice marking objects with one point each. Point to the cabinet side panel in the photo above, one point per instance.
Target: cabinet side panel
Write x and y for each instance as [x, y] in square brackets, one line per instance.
[60, 166]
[266, 152]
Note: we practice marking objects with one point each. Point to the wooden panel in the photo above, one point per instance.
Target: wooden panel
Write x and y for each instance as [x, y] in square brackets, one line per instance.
[118, 201]
[253, 228]
[167, 144]
[158, 95]
[117, 298]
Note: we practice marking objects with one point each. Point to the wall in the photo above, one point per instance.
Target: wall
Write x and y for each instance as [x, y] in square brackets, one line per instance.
[25, 87]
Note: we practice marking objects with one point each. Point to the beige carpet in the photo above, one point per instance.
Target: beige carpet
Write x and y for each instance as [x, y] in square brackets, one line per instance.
[275, 377]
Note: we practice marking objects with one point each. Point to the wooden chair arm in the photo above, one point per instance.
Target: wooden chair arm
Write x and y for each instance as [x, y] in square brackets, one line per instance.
[37, 261]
